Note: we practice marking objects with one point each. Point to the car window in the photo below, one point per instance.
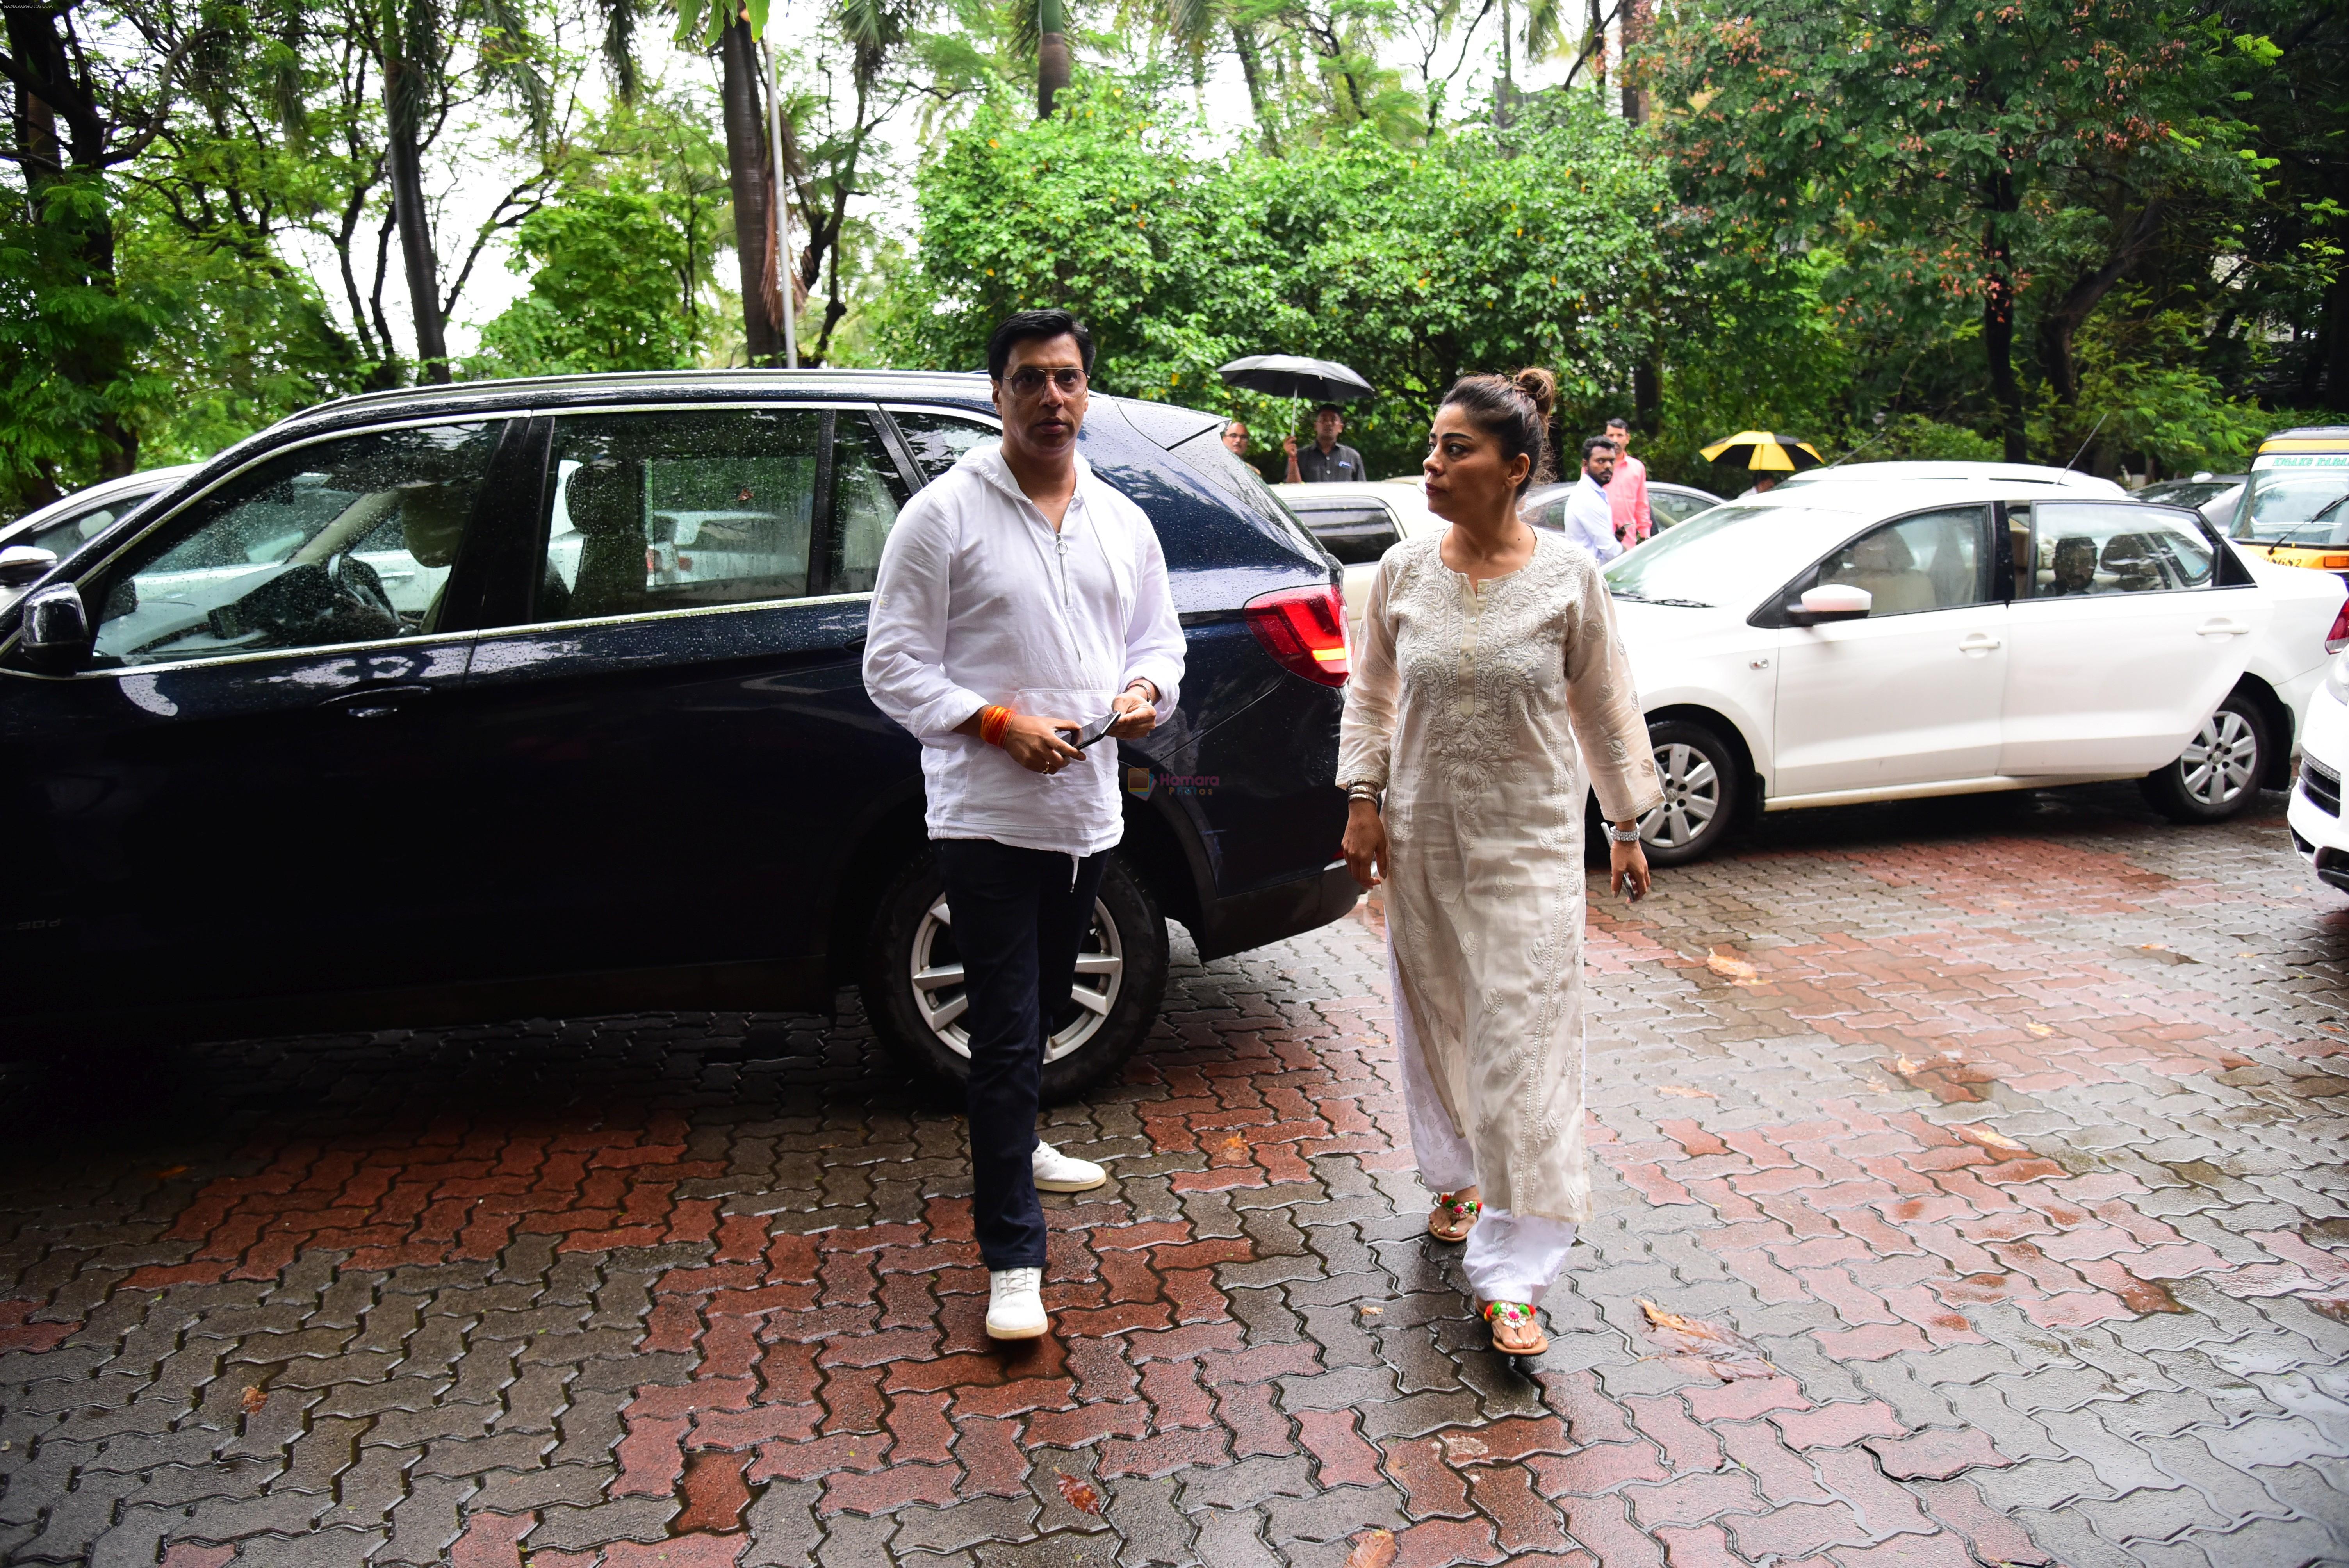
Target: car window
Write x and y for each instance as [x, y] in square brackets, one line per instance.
[2088, 548]
[62, 536]
[1357, 535]
[1933, 561]
[938, 439]
[670, 510]
[1670, 507]
[868, 494]
[345, 540]
[1547, 513]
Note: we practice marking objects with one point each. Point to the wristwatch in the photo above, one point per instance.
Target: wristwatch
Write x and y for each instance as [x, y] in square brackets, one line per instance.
[1630, 835]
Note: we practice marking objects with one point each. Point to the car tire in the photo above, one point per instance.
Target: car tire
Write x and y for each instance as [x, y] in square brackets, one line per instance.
[1127, 975]
[1702, 785]
[2218, 775]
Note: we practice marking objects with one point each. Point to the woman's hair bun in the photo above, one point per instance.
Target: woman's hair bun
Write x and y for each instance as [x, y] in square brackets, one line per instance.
[1539, 386]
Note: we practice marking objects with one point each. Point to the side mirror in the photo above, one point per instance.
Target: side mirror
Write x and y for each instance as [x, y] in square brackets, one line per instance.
[56, 629]
[23, 564]
[1830, 602]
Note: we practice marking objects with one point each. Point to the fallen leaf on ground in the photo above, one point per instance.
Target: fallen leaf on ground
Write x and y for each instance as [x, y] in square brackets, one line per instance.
[1699, 1345]
[1080, 1493]
[1989, 1138]
[169, 1171]
[253, 1400]
[1738, 971]
[1461, 1445]
[2042, 1030]
[1904, 1067]
[1373, 1549]
[1682, 1091]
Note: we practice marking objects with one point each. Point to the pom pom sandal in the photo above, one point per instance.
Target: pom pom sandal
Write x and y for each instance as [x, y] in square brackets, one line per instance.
[1452, 1217]
[1516, 1319]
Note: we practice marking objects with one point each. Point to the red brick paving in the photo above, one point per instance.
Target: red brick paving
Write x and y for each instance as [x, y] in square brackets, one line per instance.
[2018, 1154]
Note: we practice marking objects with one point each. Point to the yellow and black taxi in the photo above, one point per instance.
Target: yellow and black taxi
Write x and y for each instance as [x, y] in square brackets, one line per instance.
[2295, 511]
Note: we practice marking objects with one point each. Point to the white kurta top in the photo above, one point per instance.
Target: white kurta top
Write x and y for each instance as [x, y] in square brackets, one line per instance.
[977, 601]
[1466, 701]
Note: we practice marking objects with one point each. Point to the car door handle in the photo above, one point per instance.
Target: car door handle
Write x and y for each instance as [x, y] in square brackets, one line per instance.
[2220, 627]
[1978, 643]
[374, 702]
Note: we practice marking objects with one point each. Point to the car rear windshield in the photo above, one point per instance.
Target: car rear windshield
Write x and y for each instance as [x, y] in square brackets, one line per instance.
[2297, 498]
[1206, 455]
[1729, 557]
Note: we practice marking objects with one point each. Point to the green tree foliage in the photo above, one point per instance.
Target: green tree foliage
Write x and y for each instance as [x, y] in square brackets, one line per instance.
[605, 270]
[1488, 250]
[1971, 189]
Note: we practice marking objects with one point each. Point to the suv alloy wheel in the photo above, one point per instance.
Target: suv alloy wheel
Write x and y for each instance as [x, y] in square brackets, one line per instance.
[913, 983]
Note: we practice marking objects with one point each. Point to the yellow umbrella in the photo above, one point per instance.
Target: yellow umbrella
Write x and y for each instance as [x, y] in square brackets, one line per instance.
[1759, 451]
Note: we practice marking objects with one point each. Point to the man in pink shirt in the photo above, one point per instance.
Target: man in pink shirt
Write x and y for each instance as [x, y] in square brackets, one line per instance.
[1627, 494]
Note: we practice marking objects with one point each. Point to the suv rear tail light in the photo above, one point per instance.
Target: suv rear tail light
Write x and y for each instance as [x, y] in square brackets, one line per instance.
[2334, 640]
[1304, 629]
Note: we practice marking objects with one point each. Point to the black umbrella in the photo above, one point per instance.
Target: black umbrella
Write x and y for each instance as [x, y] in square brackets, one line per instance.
[1292, 375]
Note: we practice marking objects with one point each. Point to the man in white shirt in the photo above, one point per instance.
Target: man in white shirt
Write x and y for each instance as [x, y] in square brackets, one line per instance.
[1589, 519]
[1020, 600]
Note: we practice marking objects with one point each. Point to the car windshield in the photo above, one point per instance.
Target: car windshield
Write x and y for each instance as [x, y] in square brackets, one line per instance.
[1729, 556]
[2297, 499]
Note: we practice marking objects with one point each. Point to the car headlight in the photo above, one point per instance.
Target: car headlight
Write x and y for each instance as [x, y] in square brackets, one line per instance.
[2336, 676]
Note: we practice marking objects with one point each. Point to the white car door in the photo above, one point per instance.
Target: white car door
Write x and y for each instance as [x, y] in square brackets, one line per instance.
[2123, 640]
[1912, 694]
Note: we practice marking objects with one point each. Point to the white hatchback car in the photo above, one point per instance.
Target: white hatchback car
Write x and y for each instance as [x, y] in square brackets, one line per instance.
[1837, 643]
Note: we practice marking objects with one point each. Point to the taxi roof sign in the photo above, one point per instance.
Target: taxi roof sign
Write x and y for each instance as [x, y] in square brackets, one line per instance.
[2308, 438]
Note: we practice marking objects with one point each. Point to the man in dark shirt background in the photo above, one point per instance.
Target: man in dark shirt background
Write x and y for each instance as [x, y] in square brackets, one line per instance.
[1327, 459]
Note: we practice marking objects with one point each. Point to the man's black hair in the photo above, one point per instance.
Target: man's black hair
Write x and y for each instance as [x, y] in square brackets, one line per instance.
[1619, 419]
[1328, 409]
[1033, 325]
[1594, 443]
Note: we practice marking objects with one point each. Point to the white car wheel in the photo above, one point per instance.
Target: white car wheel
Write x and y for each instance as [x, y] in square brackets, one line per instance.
[940, 998]
[1691, 788]
[2218, 765]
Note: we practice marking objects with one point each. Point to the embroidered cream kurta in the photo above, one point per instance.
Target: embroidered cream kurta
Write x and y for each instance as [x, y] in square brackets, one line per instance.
[1466, 701]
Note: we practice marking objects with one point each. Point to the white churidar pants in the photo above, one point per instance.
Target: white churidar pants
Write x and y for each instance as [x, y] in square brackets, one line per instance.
[1508, 1257]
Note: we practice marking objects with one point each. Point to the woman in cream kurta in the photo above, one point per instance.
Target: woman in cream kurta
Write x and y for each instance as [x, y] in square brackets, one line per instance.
[1466, 701]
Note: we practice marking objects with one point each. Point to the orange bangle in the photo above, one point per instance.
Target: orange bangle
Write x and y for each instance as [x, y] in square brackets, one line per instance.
[993, 720]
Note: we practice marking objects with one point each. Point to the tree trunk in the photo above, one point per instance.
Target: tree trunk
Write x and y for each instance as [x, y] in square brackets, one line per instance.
[746, 172]
[96, 357]
[1998, 340]
[1252, 69]
[405, 162]
[1634, 30]
[1051, 57]
[1647, 395]
[2061, 323]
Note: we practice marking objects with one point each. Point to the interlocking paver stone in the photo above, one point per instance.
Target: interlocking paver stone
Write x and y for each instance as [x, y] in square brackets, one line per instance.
[2020, 1153]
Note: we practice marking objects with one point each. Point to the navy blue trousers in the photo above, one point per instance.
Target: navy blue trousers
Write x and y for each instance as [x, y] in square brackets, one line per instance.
[1019, 920]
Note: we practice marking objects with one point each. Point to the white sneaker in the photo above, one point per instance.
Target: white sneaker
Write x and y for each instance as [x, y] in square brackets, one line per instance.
[1015, 1303]
[1058, 1172]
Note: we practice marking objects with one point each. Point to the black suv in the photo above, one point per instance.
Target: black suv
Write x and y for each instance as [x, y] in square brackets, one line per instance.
[375, 721]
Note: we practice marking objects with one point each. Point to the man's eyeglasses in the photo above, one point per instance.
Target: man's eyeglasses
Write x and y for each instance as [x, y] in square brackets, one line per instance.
[1028, 380]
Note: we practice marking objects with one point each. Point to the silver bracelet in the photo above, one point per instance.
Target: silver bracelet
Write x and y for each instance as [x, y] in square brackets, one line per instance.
[1623, 836]
[1360, 791]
